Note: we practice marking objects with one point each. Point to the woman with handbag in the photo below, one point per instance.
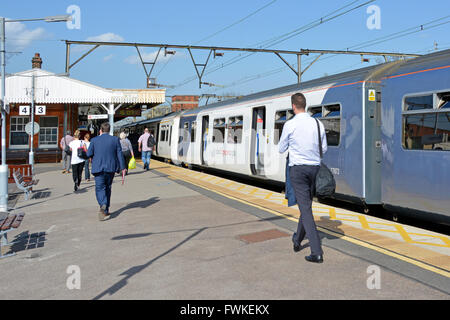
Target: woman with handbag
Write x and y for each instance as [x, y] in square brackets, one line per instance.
[127, 149]
[77, 147]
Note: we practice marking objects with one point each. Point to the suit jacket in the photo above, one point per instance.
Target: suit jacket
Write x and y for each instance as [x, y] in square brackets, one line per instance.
[106, 154]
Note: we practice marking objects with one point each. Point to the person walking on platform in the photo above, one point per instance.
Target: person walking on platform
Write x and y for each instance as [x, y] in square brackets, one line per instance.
[146, 143]
[66, 156]
[86, 141]
[77, 162]
[127, 149]
[300, 137]
[107, 159]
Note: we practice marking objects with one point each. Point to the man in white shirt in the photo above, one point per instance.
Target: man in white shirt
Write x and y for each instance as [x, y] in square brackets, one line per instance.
[300, 136]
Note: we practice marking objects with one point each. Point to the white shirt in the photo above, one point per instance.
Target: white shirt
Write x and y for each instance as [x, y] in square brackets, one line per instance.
[300, 136]
[74, 145]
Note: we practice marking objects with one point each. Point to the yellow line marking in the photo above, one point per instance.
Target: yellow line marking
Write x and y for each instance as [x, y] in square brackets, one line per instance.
[338, 235]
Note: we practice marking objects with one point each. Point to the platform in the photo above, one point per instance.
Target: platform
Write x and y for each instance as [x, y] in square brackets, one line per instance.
[180, 234]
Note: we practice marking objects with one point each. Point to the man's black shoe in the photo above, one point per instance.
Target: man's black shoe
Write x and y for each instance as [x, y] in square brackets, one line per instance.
[314, 258]
[296, 248]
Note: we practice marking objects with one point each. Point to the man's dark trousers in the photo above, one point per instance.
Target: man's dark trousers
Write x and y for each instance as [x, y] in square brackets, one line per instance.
[303, 178]
[103, 184]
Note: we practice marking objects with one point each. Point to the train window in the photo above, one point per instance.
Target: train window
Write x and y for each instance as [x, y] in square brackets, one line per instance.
[331, 120]
[426, 131]
[193, 129]
[315, 112]
[234, 130]
[426, 122]
[419, 103]
[185, 133]
[280, 119]
[443, 100]
[219, 130]
[170, 135]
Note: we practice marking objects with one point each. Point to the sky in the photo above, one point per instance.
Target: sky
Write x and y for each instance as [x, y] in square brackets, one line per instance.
[363, 25]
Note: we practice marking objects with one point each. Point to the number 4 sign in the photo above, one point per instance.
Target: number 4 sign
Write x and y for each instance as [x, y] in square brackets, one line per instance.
[40, 110]
[24, 110]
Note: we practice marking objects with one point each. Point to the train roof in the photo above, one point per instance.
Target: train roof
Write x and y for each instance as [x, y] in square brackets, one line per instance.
[371, 72]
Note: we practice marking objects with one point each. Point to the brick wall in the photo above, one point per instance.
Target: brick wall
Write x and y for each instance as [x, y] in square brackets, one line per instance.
[184, 102]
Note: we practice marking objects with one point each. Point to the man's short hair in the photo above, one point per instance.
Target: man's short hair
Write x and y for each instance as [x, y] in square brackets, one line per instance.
[105, 127]
[68, 133]
[298, 100]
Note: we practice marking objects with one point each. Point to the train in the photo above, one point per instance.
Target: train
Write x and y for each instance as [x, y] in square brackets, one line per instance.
[387, 129]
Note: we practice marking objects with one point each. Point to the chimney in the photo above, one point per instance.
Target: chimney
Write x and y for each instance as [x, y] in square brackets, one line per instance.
[36, 62]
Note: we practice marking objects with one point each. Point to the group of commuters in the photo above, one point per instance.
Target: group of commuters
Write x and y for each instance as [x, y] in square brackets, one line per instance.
[108, 154]
[300, 137]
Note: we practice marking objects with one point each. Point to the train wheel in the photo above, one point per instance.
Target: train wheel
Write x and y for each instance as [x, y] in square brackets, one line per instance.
[395, 217]
[366, 209]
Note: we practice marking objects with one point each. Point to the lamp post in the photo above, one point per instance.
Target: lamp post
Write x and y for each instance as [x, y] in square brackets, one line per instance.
[4, 166]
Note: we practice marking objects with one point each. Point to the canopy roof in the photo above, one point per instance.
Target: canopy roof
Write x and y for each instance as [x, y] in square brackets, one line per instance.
[53, 88]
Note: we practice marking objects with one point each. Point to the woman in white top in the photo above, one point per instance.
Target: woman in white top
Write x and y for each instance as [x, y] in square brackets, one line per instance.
[87, 174]
[77, 162]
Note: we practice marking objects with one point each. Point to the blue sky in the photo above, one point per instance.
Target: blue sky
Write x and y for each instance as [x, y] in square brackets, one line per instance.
[188, 22]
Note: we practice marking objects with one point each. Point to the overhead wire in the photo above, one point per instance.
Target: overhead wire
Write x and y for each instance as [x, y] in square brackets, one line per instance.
[286, 36]
[364, 44]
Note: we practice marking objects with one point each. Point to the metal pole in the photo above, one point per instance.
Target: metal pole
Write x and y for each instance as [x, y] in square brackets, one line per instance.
[3, 167]
[299, 68]
[111, 118]
[31, 155]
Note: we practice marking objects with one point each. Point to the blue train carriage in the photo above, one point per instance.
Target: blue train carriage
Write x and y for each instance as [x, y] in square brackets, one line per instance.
[415, 137]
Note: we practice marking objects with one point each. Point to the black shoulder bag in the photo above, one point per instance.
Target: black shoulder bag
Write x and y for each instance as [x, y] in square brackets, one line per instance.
[67, 149]
[325, 183]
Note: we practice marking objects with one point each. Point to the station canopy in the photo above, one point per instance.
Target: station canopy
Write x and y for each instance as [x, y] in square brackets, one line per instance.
[61, 89]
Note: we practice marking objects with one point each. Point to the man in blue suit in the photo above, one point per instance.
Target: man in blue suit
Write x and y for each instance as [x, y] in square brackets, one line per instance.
[107, 159]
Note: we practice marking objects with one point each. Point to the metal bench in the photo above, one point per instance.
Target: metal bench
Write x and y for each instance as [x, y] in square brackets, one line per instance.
[25, 186]
[7, 224]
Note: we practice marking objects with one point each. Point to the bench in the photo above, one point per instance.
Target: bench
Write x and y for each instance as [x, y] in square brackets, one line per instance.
[7, 224]
[25, 186]
[24, 169]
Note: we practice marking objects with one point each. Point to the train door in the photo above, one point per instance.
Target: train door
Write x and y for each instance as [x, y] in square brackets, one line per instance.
[205, 126]
[257, 144]
[372, 146]
[157, 138]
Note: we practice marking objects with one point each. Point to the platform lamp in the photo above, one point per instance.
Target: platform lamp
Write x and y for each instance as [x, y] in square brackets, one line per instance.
[4, 166]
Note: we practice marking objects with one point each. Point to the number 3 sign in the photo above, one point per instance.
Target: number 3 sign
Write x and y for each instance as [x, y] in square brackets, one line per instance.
[40, 110]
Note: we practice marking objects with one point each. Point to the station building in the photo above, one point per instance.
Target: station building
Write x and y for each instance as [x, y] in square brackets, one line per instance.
[63, 103]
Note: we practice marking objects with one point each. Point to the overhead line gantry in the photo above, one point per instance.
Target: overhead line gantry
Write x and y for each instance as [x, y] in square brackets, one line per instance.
[200, 67]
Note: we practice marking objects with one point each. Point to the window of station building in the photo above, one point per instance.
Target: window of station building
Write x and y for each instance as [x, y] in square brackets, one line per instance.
[280, 119]
[330, 116]
[235, 126]
[219, 130]
[427, 128]
[48, 133]
[193, 130]
[18, 136]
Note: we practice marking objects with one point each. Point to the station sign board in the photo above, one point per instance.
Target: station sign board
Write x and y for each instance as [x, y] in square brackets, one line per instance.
[97, 116]
[128, 113]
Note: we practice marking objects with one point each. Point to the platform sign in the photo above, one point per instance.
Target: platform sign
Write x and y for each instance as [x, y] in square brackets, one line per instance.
[24, 110]
[97, 116]
[40, 110]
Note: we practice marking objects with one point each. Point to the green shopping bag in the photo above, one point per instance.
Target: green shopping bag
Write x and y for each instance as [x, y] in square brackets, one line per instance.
[132, 164]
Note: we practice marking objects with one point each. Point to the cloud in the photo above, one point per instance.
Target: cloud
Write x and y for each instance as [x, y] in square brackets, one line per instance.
[108, 57]
[19, 37]
[150, 57]
[106, 37]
